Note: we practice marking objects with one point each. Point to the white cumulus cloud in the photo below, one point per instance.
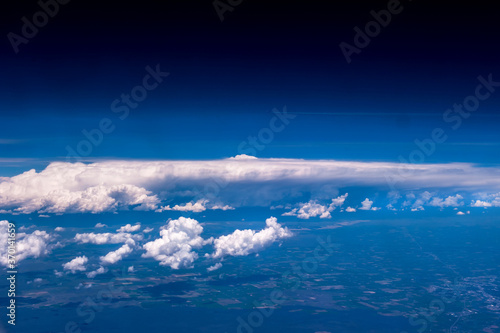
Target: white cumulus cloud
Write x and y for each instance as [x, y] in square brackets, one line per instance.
[313, 208]
[175, 247]
[114, 256]
[107, 238]
[32, 245]
[100, 270]
[76, 265]
[367, 205]
[130, 228]
[451, 201]
[197, 207]
[244, 242]
[214, 267]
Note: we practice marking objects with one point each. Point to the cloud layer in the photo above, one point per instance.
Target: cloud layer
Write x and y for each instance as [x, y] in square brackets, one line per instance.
[144, 185]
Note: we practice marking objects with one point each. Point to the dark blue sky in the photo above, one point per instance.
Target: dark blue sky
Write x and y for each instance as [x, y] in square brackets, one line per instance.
[226, 77]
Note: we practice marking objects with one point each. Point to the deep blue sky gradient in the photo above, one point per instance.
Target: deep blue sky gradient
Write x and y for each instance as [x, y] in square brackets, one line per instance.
[226, 77]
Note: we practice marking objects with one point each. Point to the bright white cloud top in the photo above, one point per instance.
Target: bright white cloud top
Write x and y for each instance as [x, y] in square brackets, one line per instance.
[245, 242]
[107, 238]
[175, 247]
[130, 228]
[114, 256]
[76, 265]
[220, 184]
[313, 209]
[33, 245]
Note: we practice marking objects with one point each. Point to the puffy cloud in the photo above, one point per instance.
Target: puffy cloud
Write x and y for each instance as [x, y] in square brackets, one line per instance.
[59, 229]
[243, 157]
[244, 242]
[367, 205]
[214, 267]
[114, 185]
[37, 280]
[107, 238]
[175, 247]
[480, 203]
[313, 208]
[130, 228]
[426, 198]
[33, 245]
[115, 256]
[130, 269]
[390, 207]
[96, 199]
[100, 270]
[451, 201]
[77, 264]
[197, 207]
[350, 210]
[488, 200]
[222, 207]
[419, 203]
[339, 201]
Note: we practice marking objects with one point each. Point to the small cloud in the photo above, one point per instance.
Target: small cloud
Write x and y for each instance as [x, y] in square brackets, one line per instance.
[59, 229]
[214, 267]
[226, 207]
[243, 157]
[130, 269]
[114, 256]
[313, 208]
[100, 270]
[23, 228]
[451, 201]
[100, 225]
[130, 228]
[108, 238]
[147, 230]
[367, 205]
[480, 203]
[350, 210]
[197, 207]
[36, 281]
[391, 207]
[76, 265]
[245, 242]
